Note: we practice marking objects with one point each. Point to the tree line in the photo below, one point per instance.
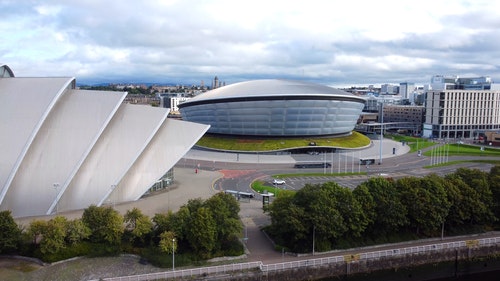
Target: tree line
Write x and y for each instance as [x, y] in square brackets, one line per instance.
[383, 210]
[199, 230]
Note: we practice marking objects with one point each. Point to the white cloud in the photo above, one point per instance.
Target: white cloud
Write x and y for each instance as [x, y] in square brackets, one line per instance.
[331, 42]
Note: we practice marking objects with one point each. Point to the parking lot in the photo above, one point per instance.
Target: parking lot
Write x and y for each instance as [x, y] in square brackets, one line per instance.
[352, 181]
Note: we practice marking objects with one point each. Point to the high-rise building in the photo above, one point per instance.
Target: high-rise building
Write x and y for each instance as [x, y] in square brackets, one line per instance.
[216, 83]
[461, 107]
[460, 113]
[440, 82]
[405, 89]
[387, 89]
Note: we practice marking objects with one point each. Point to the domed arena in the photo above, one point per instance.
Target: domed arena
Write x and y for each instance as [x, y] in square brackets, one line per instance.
[275, 108]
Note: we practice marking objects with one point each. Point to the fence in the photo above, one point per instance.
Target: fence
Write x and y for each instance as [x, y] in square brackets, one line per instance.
[217, 270]
[381, 254]
[239, 267]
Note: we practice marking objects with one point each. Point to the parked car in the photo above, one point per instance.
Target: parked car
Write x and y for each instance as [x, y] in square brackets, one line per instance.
[278, 181]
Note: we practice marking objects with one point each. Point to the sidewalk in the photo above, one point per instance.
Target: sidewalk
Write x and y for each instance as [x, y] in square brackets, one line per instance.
[374, 151]
[187, 185]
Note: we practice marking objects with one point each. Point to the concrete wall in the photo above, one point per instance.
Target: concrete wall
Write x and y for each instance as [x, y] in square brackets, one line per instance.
[442, 264]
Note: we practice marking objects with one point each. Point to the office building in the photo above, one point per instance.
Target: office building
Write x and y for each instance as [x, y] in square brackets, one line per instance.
[461, 113]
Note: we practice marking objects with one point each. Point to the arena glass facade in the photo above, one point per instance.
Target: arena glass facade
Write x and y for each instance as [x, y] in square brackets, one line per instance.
[275, 108]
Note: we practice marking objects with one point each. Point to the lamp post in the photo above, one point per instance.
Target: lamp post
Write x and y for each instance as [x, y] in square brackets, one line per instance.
[173, 254]
[113, 187]
[381, 129]
[314, 234]
[56, 186]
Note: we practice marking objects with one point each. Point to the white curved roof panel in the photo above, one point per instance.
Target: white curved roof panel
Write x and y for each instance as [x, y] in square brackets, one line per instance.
[164, 150]
[124, 139]
[65, 149]
[25, 104]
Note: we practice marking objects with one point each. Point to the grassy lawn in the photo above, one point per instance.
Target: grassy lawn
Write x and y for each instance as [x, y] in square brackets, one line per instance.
[259, 187]
[455, 149]
[452, 149]
[269, 144]
[414, 143]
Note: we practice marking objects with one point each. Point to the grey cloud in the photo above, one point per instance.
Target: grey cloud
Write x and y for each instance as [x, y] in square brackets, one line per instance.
[183, 42]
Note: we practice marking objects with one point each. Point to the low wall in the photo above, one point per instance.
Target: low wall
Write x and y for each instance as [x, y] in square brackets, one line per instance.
[422, 266]
[424, 262]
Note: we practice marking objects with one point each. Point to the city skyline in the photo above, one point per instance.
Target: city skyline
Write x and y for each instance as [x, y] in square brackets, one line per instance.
[335, 43]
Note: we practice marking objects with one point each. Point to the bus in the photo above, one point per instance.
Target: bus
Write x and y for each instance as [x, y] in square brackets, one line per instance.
[240, 194]
[312, 165]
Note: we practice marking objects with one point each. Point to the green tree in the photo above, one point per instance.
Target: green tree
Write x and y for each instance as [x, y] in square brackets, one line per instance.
[10, 233]
[167, 242]
[322, 218]
[180, 223]
[131, 217]
[478, 180]
[54, 235]
[202, 232]
[138, 224]
[471, 209]
[457, 215]
[426, 201]
[194, 204]
[76, 231]
[365, 199]
[162, 222]
[287, 221]
[105, 223]
[35, 231]
[350, 209]
[143, 227]
[225, 208]
[390, 212]
[494, 183]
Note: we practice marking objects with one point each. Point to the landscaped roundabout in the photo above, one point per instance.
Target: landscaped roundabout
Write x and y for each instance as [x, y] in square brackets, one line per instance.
[252, 144]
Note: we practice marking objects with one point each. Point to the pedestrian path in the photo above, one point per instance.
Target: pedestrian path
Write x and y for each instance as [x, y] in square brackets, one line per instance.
[375, 150]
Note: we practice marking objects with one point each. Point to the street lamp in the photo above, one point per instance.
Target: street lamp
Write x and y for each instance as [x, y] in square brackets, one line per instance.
[314, 234]
[381, 129]
[173, 254]
[56, 186]
[113, 187]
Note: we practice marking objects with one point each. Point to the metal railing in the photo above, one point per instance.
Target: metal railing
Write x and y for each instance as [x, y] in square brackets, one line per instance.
[382, 254]
[301, 263]
[219, 269]
[239, 267]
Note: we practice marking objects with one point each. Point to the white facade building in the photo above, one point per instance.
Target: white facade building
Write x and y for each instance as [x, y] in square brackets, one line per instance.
[66, 149]
[461, 113]
[405, 89]
[172, 101]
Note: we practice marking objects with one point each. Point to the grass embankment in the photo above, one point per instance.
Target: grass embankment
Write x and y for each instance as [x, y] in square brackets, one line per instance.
[355, 140]
[451, 149]
[259, 187]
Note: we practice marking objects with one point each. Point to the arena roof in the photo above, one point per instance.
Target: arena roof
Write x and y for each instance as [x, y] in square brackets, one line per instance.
[277, 108]
[65, 149]
[271, 89]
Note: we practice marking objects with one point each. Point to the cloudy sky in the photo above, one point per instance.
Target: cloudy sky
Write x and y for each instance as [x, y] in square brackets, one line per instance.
[337, 43]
